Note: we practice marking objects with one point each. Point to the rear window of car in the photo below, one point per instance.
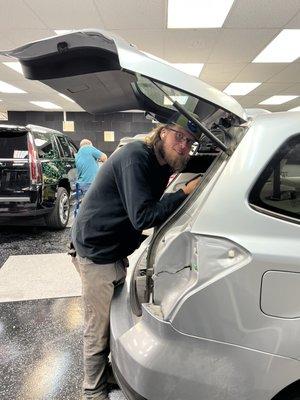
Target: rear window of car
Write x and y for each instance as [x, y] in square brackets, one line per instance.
[64, 146]
[13, 144]
[73, 148]
[278, 188]
[45, 145]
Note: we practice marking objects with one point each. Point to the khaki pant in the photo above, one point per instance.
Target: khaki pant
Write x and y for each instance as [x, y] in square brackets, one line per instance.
[98, 283]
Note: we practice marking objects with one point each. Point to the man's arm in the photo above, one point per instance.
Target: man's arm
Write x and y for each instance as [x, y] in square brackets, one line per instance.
[143, 209]
[98, 155]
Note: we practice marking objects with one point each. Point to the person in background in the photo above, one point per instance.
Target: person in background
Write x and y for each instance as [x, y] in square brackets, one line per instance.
[124, 199]
[87, 163]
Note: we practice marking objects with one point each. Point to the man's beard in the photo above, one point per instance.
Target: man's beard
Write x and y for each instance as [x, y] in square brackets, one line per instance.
[177, 163]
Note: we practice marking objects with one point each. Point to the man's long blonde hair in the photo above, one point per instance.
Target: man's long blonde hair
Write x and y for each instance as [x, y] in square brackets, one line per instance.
[154, 136]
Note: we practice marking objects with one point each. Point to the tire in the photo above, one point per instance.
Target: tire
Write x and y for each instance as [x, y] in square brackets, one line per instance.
[59, 216]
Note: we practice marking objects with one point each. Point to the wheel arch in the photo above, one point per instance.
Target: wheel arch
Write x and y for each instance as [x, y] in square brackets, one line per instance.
[65, 183]
[291, 392]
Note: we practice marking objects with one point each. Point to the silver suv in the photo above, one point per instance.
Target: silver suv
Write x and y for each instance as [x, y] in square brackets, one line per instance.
[211, 305]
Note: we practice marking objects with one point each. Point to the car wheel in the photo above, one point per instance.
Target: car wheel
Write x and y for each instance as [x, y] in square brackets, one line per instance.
[59, 217]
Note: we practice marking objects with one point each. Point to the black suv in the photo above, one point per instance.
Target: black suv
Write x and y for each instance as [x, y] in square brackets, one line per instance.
[37, 174]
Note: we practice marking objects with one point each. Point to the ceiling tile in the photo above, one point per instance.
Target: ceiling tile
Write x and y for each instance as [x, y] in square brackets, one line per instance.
[29, 35]
[240, 45]
[294, 23]
[248, 101]
[261, 13]
[16, 14]
[269, 89]
[220, 72]
[217, 85]
[7, 74]
[5, 42]
[190, 45]
[291, 74]
[293, 90]
[67, 14]
[132, 14]
[263, 92]
[151, 41]
[259, 72]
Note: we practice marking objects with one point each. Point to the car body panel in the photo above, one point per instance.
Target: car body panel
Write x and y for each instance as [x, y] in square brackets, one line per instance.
[224, 314]
[172, 365]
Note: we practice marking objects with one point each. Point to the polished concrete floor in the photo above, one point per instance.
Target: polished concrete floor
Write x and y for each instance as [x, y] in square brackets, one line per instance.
[40, 318]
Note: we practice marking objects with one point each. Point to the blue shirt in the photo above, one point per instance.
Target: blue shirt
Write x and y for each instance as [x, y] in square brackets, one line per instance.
[87, 163]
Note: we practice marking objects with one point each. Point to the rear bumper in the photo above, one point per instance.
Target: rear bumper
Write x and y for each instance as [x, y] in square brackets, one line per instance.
[152, 360]
[19, 208]
[126, 389]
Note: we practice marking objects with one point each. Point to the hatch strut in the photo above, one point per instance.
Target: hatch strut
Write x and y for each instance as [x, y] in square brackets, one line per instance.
[190, 117]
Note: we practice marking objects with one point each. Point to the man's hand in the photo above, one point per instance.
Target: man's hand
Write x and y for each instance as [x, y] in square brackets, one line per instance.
[191, 186]
[103, 157]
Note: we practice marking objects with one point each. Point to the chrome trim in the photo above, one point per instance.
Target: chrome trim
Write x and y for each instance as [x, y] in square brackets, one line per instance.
[14, 199]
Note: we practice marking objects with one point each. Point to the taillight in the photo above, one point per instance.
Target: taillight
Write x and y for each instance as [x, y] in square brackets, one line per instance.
[35, 166]
[191, 262]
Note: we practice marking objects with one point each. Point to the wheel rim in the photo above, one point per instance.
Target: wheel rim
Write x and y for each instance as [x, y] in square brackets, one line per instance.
[64, 208]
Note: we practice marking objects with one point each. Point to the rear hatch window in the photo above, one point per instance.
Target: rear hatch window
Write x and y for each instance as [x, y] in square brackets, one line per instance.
[14, 167]
[13, 145]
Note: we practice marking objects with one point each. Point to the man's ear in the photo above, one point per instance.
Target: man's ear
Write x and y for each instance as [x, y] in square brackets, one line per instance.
[163, 133]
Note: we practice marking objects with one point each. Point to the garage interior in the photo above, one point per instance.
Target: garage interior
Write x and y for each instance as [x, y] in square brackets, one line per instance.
[40, 308]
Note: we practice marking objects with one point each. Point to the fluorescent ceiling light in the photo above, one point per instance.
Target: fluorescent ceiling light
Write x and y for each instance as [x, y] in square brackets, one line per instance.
[179, 99]
[132, 111]
[284, 48]
[62, 31]
[7, 88]
[46, 104]
[197, 13]
[191, 69]
[295, 109]
[278, 99]
[240, 89]
[66, 97]
[15, 65]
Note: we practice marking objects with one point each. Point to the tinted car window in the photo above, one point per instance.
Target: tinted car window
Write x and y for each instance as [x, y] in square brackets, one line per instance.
[278, 189]
[73, 148]
[45, 145]
[13, 145]
[66, 152]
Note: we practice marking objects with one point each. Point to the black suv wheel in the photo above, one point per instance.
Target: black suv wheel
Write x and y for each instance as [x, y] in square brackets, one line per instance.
[59, 217]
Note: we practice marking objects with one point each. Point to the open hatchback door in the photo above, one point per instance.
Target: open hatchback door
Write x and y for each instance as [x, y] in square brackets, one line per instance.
[103, 73]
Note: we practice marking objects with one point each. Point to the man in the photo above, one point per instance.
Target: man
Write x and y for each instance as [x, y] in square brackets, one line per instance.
[87, 166]
[124, 199]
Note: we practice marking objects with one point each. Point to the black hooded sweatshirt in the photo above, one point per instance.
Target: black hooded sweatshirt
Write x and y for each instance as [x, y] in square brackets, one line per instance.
[124, 199]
